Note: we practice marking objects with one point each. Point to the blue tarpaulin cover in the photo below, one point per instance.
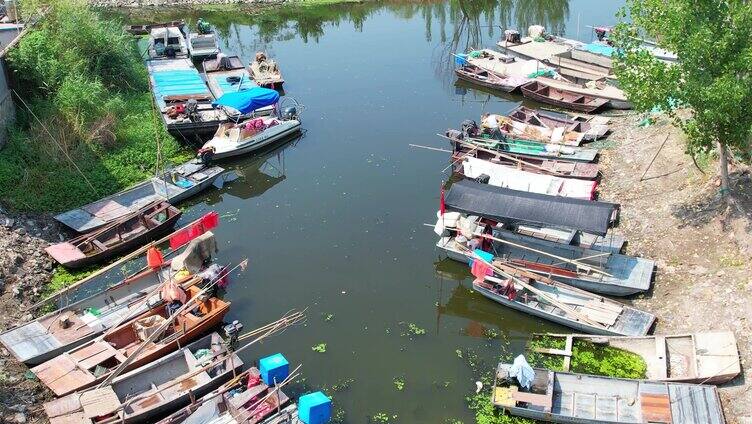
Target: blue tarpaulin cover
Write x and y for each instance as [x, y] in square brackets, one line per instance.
[248, 100]
[599, 49]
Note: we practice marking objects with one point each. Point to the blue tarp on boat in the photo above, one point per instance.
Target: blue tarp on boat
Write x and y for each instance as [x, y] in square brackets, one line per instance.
[228, 87]
[178, 82]
[248, 100]
[601, 49]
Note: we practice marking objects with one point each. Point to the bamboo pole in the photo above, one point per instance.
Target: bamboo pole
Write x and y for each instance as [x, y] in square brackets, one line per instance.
[506, 156]
[111, 266]
[540, 252]
[275, 327]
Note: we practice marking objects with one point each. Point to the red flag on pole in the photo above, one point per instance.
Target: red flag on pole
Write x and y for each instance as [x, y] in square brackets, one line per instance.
[442, 205]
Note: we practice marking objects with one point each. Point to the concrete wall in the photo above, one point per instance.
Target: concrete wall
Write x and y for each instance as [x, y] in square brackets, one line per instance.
[7, 109]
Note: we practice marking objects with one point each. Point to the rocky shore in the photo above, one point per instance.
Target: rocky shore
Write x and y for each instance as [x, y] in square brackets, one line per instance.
[25, 269]
[135, 4]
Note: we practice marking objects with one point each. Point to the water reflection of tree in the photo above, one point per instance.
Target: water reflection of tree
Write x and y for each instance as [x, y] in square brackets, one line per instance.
[458, 24]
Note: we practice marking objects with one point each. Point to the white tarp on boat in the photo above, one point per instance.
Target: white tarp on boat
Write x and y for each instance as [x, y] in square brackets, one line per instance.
[515, 179]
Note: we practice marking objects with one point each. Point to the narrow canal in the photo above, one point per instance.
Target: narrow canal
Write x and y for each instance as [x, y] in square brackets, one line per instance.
[333, 221]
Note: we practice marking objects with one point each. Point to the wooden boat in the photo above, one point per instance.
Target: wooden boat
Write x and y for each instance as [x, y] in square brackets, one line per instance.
[487, 79]
[506, 66]
[555, 301]
[167, 42]
[183, 98]
[157, 388]
[591, 128]
[542, 134]
[585, 171]
[234, 402]
[562, 98]
[143, 29]
[710, 357]
[616, 97]
[502, 176]
[570, 66]
[72, 325]
[562, 397]
[174, 185]
[598, 54]
[93, 362]
[118, 237]
[618, 275]
[226, 74]
[527, 148]
[265, 72]
[288, 415]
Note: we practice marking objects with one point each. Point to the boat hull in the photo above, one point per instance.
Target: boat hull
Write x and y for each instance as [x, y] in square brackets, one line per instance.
[128, 246]
[204, 327]
[38, 353]
[254, 146]
[540, 314]
[469, 77]
[529, 91]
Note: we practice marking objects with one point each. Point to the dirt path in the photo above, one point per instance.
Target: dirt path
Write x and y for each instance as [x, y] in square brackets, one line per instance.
[701, 246]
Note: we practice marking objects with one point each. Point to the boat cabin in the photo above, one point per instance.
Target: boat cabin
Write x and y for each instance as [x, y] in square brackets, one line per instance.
[167, 42]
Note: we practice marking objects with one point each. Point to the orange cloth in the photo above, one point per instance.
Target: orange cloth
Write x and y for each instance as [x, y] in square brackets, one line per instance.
[172, 291]
[154, 258]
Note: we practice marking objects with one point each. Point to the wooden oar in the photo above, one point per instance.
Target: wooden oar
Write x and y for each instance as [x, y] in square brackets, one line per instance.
[111, 266]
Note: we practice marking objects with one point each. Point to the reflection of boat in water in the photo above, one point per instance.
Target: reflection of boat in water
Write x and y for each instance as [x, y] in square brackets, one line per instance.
[255, 175]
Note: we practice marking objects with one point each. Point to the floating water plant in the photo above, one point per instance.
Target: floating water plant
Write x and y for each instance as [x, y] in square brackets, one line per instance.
[588, 358]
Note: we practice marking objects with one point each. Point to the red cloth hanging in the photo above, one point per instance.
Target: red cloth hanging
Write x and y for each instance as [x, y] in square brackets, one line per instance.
[480, 270]
[253, 381]
[154, 258]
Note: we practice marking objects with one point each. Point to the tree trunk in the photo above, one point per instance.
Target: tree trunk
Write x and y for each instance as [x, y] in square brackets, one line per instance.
[723, 168]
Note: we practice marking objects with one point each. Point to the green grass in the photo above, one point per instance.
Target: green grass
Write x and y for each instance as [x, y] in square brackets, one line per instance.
[86, 126]
[588, 358]
[35, 178]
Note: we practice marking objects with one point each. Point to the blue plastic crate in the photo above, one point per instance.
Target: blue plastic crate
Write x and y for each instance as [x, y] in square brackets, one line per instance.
[315, 408]
[274, 367]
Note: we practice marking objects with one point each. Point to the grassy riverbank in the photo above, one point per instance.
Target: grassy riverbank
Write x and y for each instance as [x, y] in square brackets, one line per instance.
[86, 126]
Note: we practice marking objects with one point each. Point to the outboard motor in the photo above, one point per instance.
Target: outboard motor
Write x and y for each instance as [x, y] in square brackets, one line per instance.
[289, 113]
[191, 110]
[469, 128]
[206, 155]
[512, 36]
[454, 134]
[232, 331]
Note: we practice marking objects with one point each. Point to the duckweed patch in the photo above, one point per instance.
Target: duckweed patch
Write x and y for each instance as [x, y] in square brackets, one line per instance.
[588, 358]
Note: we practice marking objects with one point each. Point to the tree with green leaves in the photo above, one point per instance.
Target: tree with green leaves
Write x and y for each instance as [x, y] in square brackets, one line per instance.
[708, 92]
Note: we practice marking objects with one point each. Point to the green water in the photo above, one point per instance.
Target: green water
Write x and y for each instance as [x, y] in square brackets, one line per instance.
[333, 221]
